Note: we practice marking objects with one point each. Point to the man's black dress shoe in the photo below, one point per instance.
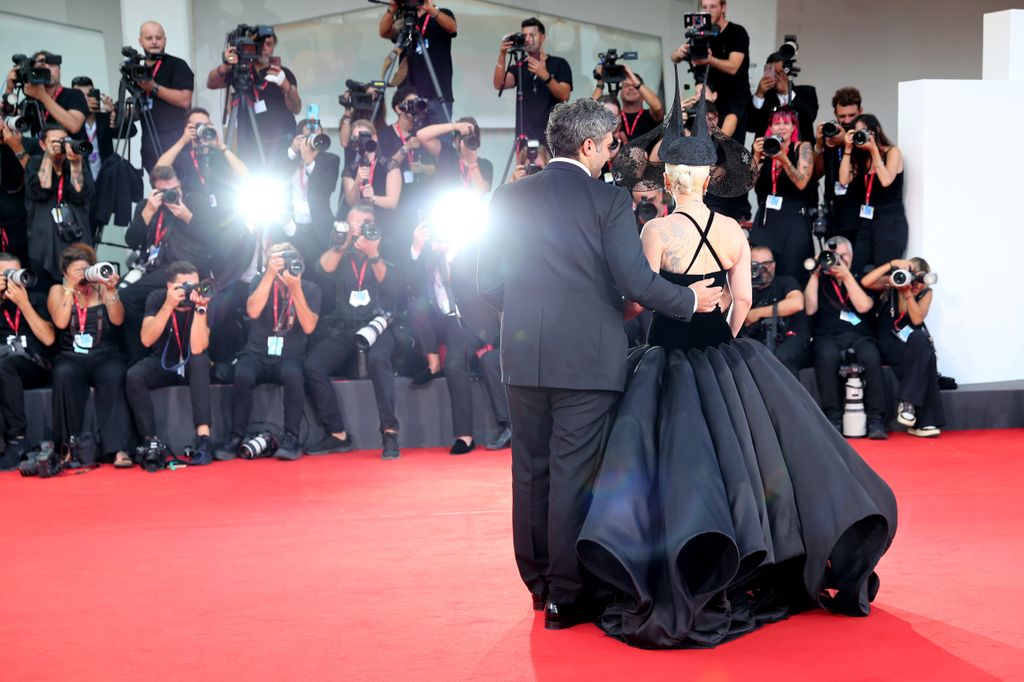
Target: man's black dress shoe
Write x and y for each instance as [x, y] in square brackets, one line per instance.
[562, 616]
[539, 600]
[461, 447]
[424, 377]
[503, 440]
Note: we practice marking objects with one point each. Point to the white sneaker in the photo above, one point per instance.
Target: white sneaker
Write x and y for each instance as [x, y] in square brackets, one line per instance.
[905, 414]
[924, 431]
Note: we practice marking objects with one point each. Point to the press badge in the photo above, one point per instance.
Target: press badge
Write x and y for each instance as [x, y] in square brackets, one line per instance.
[903, 334]
[849, 316]
[57, 214]
[609, 178]
[275, 346]
[181, 370]
[408, 176]
[358, 299]
[213, 201]
[17, 343]
[154, 253]
[840, 189]
[259, 106]
[83, 343]
[774, 202]
[867, 212]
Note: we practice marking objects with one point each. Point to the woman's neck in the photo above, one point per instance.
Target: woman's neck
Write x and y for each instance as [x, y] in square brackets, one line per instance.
[692, 199]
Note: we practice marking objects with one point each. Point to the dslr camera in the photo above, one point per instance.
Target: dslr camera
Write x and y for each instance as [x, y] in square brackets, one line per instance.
[133, 67]
[826, 260]
[204, 289]
[417, 108]
[758, 274]
[23, 278]
[612, 73]
[292, 262]
[788, 51]
[904, 278]
[831, 129]
[206, 133]
[100, 272]
[46, 463]
[368, 335]
[861, 137]
[698, 34]
[25, 73]
[532, 152]
[80, 147]
[360, 100]
[819, 219]
[518, 41]
[773, 145]
[365, 145]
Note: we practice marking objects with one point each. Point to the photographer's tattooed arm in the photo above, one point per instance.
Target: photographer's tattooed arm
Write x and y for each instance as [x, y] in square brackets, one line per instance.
[77, 175]
[46, 172]
[801, 173]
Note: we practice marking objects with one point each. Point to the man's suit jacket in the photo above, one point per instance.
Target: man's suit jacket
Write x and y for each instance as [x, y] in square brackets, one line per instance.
[322, 182]
[561, 252]
[805, 103]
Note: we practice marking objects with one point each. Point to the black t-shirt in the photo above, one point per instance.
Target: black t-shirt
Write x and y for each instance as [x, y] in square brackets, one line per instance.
[168, 339]
[13, 325]
[731, 89]
[265, 326]
[389, 142]
[12, 189]
[276, 124]
[637, 124]
[355, 273]
[845, 217]
[451, 173]
[69, 98]
[207, 179]
[439, 47]
[834, 301]
[782, 286]
[537, 98]
[170, 72]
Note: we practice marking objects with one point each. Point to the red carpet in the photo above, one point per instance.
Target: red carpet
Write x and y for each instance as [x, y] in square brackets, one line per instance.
[350, 568]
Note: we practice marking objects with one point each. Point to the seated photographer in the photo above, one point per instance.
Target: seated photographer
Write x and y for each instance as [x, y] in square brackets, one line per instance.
[783, 174]
[844, 218]
[13, 217]
[530, 158]
[438, 28]
[547, 80]
[58, 194]
[313, 174]
[169, 92]
[839, 308]
[86, 311]
[163, 231]
[176, 333]
[277, 103]
[284, 309]
[906, 344]
[872, 168]
[458, 163]
[636, 120]
[50, 104]
[373, 179]
[435, 319]
[773, 91]
[25, 334]
[366, 287]
[776, 318]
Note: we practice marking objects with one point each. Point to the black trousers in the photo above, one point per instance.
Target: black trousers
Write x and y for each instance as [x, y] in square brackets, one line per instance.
[147, 375]
[133, 298]
[882, 239]
[788, 233]
[252, 369]
[828, 353]
[915, 364]
[17, 373]
[490, 375]
[433, 329]
[795, 353]
[558, 437]
[104, 371]
[226, 314]
[329, 357]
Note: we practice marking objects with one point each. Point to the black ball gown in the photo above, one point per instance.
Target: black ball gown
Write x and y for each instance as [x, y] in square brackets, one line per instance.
[725, 499]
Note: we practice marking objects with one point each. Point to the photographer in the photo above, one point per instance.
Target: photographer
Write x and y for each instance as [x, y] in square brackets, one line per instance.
[102, 125]
[206, 166]
[277, 103]
[839, 308]
[458, 163]
[636, 120]
[373, 179]
[25, 333]
[85, 309]
[438, 28]
[773, 91]
[13, 217]
[52, 103]
[399, 141]
[729, 58]
[163, 231]
[776, 318]
[780, 222]
[359, 104]
[176, 332]
[531, 158]
[284, 309]
[828, 155]
[58, 195]
[876, 166]
[313, 175]
[169, 92]
[906, 344]
[365, 285]
[548, 83]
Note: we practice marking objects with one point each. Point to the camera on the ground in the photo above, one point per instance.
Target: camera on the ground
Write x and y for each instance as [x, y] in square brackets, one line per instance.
[612, 73]
[26, 73]
[24, 277]
[133, 67]
[262, 444]
[45, 464]
[100, 272]
[368, 335]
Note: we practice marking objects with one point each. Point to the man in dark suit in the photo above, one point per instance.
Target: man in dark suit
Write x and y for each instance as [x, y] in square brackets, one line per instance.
[561, 252]
[773, 91]
[313, 174]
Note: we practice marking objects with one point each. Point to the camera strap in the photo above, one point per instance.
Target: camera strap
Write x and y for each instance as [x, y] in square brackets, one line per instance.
[776, 172]
[195, 162]
[283, 322]
[401, 136]
[870, 182]
[373, 169]
[184, 354]
[17, 320]
[839, 295]
[156, 67]
[426, 22]
[361, 274]
[60, 191]
[3, 238]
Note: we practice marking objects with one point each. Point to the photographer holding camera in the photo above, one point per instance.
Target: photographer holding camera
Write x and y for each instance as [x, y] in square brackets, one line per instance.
[372, 178]
[277, 99]
[169, 92]
[25, 334]
[366, 285]
[13, 216]
[313, 174]
[548, 83]
[85, 309]
[872, 168]
[636, 120]
[530, 159]
[284, 309]
[906, 344]
[399, 141]
[49, 102]
[773, 91]
[458, 163]
[776, 318]
[360, 101]
[829, 149]
[438, 28]
[176, 332]
[839, 308]
[784, 171]
[58, 194]
[205, 165]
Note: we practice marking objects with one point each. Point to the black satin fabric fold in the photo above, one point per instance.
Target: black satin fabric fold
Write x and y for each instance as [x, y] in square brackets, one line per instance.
[726, 500]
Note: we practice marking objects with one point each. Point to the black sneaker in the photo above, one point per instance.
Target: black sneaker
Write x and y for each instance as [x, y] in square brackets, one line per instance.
[331, 444]
[504, 440]
[11, 457]
[461, 447]
[202, 452]
[229, 450]
[876, 429]
[390, 442]
[289, 449]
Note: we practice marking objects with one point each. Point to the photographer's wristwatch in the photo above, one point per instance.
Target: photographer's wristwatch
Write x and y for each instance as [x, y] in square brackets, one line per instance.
[548, 79]
[375, 260]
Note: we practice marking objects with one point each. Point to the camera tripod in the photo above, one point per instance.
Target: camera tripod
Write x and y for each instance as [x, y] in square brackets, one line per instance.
[242, 85]
[515, 56]
[131, 98]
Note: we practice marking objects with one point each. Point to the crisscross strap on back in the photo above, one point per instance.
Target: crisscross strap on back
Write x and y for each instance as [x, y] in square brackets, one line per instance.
[703, 241]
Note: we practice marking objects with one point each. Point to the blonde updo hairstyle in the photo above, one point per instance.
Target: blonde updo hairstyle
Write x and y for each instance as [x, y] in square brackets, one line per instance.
[682, 179]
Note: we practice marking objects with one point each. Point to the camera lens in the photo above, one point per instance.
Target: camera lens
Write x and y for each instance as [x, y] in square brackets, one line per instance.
[831, 129]
[772, 145]
[861, 137]
[171, 196]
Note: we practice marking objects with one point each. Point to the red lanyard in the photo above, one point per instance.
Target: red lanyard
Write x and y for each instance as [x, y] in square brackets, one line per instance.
[625, 123]
[263, 86]
[156, 67]
[359, 275]
[195, 162]
[177, 334]
[426, 22]
[464, 172]
[401, 136]
[870, 184]
[161, 231]
[287, 310]
[3, 239]
[17, 320]
[60, 191]
[373, 169]
[839, 294]
[776, 172]
[60, 89]
[82, 313]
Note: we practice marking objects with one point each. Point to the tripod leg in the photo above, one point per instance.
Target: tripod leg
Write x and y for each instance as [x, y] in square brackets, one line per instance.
[433, 76]
[256, 134]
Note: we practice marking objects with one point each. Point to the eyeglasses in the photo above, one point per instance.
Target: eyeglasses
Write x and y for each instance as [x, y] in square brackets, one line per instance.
[614, 145]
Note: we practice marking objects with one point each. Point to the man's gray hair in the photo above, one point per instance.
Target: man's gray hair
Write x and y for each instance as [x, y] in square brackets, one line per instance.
[838, 241]
[570, 125]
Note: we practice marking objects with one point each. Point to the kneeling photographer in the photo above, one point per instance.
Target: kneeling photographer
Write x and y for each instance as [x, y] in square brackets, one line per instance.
[366, 289]
[839, 308]
[176, 332]
[25, 333]
[777, 317]
[905, 342]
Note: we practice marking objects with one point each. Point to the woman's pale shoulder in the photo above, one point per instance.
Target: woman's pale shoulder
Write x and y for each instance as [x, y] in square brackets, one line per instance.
[729, 225]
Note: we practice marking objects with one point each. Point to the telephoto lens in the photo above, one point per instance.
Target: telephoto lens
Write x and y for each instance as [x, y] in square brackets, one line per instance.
[260, 445]
[101, 272]
[80, 147]
[831, 129]
[861, 137]
[18, 124]
[206, 133]
[901, 278]
[171, 196]
[368, 335]
[646, 211]
[772, 145]
[23, 278]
